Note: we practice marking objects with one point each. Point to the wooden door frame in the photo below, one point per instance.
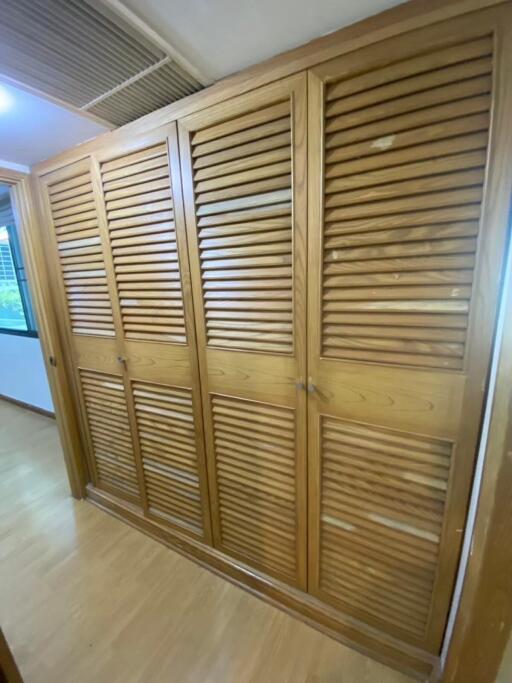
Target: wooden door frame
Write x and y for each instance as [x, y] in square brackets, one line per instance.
[9, 671]
[28, 222]
[483, 621]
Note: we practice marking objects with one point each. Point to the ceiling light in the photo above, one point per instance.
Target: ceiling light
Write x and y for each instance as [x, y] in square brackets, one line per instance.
[5, 100]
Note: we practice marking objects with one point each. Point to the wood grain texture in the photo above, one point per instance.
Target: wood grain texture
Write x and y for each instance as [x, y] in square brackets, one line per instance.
[243, 169]
[387, 295]
[165, 426]
[255, 449]
[475, 653]
[109, 432]
[397, 281]
[63, 320]
[75, 223]
[244, 223]
[149, 276]
[103, 338]
[381, 519]
[145, 277]
[71, 555]
[140, 215]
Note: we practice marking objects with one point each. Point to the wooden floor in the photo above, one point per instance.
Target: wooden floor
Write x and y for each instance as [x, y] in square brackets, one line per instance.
[85, 598]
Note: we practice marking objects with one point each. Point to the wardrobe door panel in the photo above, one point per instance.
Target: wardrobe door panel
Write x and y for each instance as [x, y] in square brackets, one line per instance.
[79, 250]
[407, 225]
[86, 314]
[166, 430]
[124, 280]
[141, 197]
[243, 167]
[109, 431]
[140, 217]
[255, 466]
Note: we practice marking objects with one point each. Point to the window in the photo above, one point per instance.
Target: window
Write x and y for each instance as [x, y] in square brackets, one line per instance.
[16, 314]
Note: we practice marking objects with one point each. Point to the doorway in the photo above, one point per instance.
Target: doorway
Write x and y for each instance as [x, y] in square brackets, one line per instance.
[23, 378]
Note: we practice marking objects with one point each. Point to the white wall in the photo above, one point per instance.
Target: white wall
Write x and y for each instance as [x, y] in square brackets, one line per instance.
[22, 371]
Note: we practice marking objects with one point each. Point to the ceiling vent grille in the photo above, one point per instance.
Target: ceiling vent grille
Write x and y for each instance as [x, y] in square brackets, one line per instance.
[164, 84]
[83, 54]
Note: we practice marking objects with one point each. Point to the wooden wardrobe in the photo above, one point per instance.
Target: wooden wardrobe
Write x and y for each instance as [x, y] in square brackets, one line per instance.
[277, 309]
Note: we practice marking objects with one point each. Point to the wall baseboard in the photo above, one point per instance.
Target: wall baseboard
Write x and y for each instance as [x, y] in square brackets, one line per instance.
[28, 406]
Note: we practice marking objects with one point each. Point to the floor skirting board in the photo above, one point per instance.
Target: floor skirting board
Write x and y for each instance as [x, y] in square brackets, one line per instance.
[28, 406]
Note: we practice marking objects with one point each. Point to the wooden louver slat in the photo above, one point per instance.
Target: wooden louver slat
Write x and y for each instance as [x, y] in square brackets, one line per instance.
[255, 462]
[383, 496]
[75, 223]
[242, 184]
[140, 218]
[165, 424]
[109, 429]
[405, 155]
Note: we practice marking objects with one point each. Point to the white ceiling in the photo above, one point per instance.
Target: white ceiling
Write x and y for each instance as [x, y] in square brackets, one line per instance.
[33, 129]
[220, 37]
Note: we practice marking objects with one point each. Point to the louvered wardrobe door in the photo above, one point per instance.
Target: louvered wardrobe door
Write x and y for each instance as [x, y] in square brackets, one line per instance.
[243, 165]
[140, 219]
[79, 269]
[109, 430]
[402, 298]
[76, 231]
[150, 273]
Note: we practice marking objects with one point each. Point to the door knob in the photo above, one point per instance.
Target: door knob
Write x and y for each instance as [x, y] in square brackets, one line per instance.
[299, 384]
[311, 386]
[122, 359]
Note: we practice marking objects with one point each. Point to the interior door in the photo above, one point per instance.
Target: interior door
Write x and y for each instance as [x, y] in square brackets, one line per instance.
[122, 271]
[408, 206]
[243, 168]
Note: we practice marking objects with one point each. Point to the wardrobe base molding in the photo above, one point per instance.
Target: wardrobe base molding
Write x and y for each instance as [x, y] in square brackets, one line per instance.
[346, 630]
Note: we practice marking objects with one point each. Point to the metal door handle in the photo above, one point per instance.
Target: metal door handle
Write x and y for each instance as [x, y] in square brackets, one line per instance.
[122, 359]
[301, 386]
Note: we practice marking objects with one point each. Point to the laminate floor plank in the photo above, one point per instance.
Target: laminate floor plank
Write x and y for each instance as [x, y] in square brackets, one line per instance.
[86, 598]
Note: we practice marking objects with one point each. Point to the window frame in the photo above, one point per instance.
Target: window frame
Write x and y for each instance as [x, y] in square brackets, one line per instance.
[24, 292]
